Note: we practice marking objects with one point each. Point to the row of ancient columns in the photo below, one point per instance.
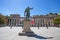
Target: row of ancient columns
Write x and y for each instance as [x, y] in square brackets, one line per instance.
[43, 22]
[12, 22]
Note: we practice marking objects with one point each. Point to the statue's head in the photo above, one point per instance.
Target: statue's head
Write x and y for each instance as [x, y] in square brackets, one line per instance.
[28, 7]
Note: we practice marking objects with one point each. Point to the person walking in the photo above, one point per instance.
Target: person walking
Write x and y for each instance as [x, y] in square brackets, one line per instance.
[38, 25]
[11, 27]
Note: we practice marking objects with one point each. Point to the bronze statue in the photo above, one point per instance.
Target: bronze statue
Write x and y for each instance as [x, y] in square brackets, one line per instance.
[27, 13]
[26, 23]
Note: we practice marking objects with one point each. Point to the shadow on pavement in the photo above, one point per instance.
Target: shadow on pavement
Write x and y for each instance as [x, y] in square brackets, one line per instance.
[40, 37]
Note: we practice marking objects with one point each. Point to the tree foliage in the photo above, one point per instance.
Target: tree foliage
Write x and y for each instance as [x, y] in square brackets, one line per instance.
[2, 19]
[57, 20]
[51, 13]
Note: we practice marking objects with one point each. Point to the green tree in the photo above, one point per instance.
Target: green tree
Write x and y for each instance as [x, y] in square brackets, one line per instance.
[50, 13]
[57, 20]
[2, 19]
[55, 13]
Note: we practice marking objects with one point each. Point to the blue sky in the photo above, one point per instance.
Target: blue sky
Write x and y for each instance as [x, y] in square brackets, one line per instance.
[40, 7]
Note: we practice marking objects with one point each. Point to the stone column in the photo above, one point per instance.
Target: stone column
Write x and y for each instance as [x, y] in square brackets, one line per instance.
[9, 21]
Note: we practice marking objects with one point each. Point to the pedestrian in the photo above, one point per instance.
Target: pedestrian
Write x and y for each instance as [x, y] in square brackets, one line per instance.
[22, 26]
[47, 26]
[11, 27]
[38, 25]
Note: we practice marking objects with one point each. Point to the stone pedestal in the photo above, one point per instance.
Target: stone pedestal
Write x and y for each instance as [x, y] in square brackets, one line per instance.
[26, 28]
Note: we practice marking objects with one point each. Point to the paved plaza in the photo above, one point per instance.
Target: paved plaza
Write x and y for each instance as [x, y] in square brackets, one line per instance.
[52, 33]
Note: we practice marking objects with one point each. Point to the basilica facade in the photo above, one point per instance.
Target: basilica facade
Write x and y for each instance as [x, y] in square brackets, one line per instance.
[41, 21]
